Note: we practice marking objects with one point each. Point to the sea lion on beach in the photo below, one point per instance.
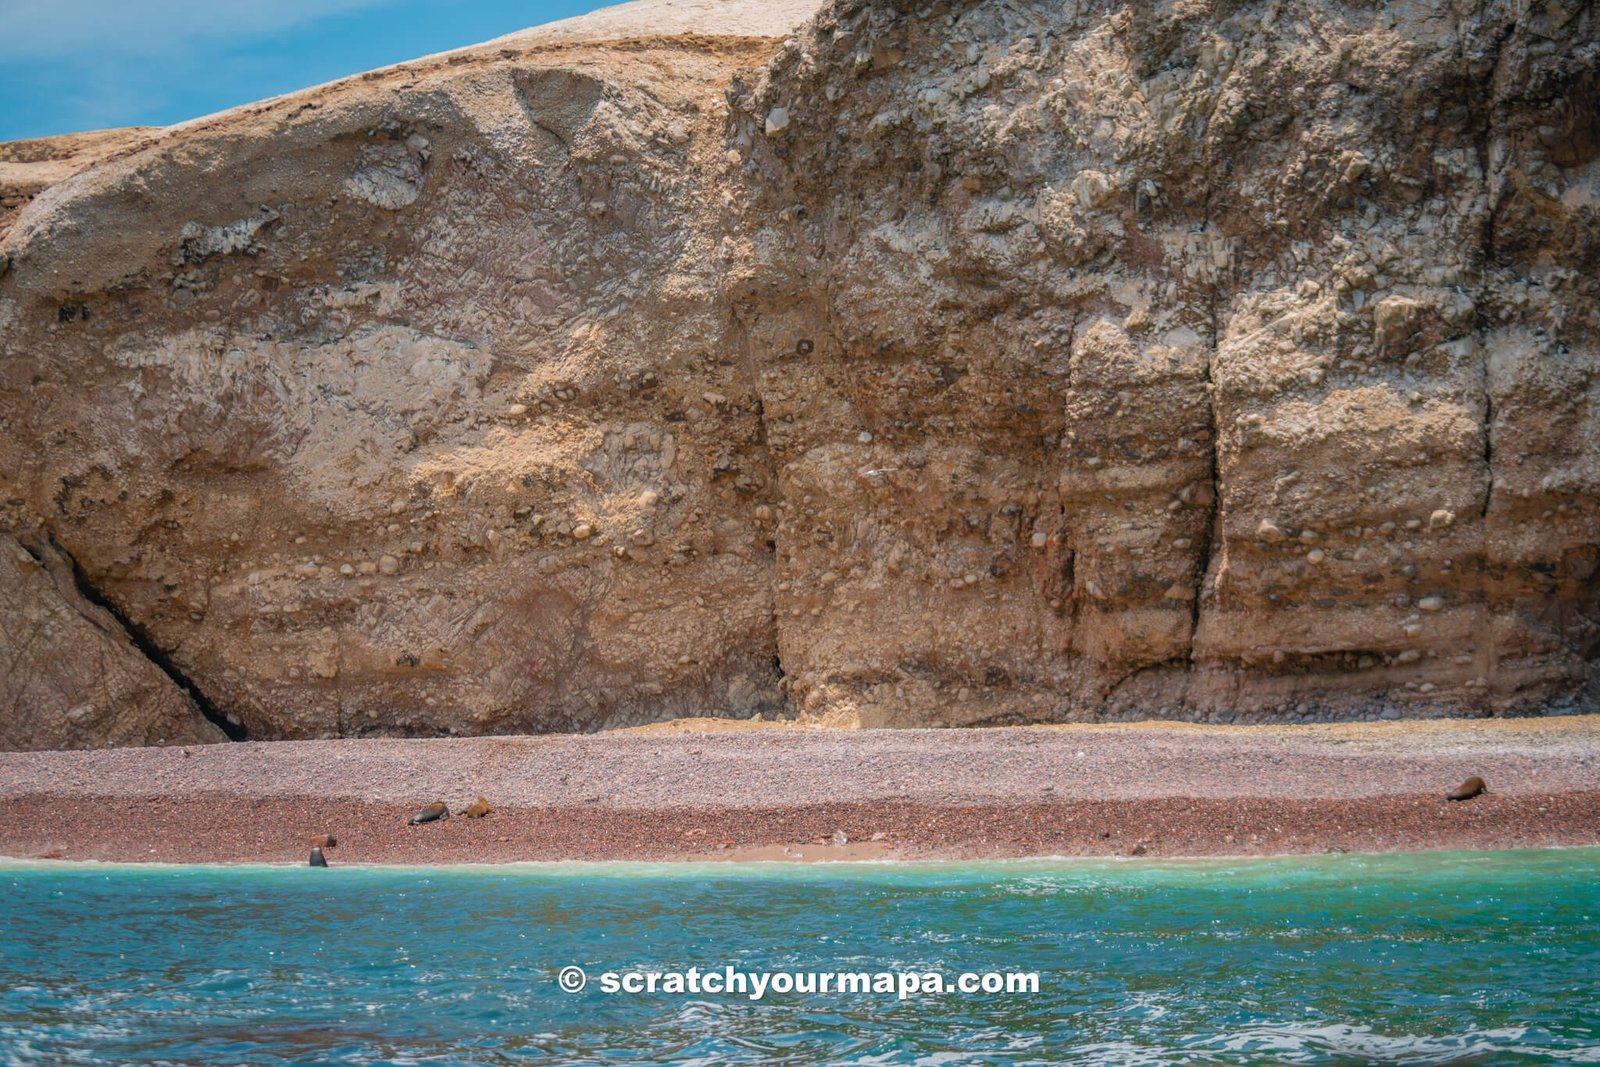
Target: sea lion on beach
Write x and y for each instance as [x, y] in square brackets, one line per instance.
[478, 809]
[324, 841]
[317, 859]
[1467, 789]
[433, 811]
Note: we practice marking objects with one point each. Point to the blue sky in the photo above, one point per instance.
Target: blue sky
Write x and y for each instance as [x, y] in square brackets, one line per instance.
[68, 65]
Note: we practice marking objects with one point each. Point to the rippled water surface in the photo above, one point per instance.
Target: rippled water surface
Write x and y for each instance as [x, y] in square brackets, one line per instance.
[1451, 958]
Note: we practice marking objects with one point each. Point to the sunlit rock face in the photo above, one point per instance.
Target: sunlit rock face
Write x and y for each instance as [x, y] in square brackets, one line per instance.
[933, 365]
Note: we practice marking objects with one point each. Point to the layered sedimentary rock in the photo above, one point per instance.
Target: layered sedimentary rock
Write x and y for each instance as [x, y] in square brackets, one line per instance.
[1268, 319]
[946, 364]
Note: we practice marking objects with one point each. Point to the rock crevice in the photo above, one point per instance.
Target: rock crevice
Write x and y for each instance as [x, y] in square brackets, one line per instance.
[228, 727]
[74, 676]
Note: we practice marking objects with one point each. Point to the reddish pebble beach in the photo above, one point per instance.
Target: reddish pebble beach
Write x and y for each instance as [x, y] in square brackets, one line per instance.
[711, 790]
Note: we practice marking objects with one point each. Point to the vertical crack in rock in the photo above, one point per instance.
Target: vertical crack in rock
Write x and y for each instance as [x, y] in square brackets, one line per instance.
[770, 475]
[140, 640]
[1209, 533]
[1484, 143]
[1487, 656]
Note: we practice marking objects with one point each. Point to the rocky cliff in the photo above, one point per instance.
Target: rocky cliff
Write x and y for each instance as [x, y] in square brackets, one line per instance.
[951, 363]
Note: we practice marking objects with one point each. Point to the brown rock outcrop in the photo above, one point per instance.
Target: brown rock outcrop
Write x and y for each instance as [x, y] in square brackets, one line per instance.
[27, 168]
[948, 364]
[1244, 333]
[73, 677]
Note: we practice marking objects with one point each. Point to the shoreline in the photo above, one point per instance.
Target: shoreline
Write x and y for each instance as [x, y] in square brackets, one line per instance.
[694, 866]
[785, 794]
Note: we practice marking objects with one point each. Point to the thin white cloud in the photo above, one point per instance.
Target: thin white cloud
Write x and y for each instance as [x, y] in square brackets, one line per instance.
[44, 29]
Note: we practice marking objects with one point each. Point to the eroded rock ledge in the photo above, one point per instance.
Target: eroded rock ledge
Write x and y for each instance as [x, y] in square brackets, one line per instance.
[944, 364]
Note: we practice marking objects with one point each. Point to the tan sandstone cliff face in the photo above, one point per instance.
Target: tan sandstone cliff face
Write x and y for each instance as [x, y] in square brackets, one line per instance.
[932, 365]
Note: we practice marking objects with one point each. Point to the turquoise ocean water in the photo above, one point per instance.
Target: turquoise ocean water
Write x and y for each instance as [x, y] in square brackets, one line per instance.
[1447, 958]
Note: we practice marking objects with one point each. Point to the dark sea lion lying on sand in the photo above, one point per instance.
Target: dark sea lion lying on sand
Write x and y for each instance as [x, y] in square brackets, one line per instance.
[1467, 789]
[433, 811]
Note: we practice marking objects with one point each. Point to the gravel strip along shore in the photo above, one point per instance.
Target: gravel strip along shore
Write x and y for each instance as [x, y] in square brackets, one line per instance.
[744, 791]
